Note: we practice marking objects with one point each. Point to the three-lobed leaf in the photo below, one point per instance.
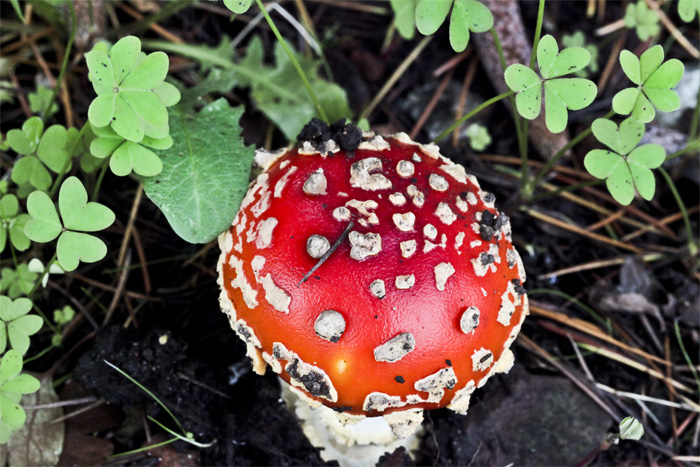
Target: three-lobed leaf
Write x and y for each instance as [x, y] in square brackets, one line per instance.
[625, 167]
[26, 140]
[16, 324]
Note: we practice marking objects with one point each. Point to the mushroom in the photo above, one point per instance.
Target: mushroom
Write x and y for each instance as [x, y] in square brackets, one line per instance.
[373, 275]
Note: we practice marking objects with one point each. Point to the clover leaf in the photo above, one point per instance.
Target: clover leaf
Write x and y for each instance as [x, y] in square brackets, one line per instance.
[639, 16]
[17, 282]
[26, 140]
[467, 15]
[687, 9]
[654, 79]
[626, 166]
[16, 325]
[63, 315]
[578, 39]
[132, 95]
[560, 93]
[12, 224]
[479, 137]
[238, 6]
[78, 216]
[12, 386]
[39, 101]
[126, 156]
[57, 147]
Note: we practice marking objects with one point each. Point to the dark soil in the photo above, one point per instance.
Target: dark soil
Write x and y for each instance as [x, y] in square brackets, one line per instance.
[178, 344]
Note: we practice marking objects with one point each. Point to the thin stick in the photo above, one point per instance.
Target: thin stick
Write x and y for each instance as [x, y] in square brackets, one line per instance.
[328, 253]
[400, 70]
[431, 105]
[682, 40]
[595, 265]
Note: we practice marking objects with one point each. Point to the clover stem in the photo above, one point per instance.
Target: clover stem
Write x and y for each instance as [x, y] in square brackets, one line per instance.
[692, 246]
[39, 355]
[294, 61]
[518, 121]
[64, 65]
[469, 115]
[538, 33]
[574, 141]
[98, 184]
[690, 147]
[685, 353]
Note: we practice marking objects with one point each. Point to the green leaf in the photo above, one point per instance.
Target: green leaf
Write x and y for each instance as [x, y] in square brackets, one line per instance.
[13, 309]
[527, 84]
[631, 66]
[149, 73]
[101, 73]
[44, 224]
[649, 62]
[547, 51]
[430, 14]
[26, 140]
[39, 102]
[20, 329]
[555, 112]
[16, 232]
[238, 6]
[126, 123]
[9, 206]
[577, 93]
[123, 56]
[644, 20]
[405, 17]
[74, 247]
[101, 110]
[77, 213]
[666, 76]
[29, 170]
[468, 15]
[10, 366]
[630, 427]
[133, 156]
[148, 106]
[620, 184]
[643, 110]
[601, 163]
[205, 172]
[624, 101]
[55, 148]
[168, 94]
[687, 9]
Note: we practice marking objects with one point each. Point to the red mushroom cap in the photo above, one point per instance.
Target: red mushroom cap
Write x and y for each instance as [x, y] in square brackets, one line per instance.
[418, 295]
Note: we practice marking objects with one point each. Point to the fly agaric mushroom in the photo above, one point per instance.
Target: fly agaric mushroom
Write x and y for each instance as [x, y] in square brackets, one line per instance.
[373, 275]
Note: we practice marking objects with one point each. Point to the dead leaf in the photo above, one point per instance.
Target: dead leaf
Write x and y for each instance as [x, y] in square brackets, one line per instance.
[38, 442]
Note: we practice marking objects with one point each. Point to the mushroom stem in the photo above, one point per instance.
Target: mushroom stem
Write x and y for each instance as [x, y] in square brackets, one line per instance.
[330, 251]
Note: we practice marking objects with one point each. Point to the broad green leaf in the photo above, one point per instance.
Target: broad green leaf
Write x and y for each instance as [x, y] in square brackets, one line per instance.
[3, 337]
[126, 123]
[527, 84]
[10, 366]
[205, 172]
[11, 412]
[555, 112]
[238, 6]
[133, 156]
[39, 102]
[13, 309]
[29, 170]
[405, 17]
[101, 72]
[630, 427]
[631, 133]
[44, 224]
[620, 184]
[649, 61]
[666, 76]
[101, 110]
[21, 384]
[26, 140]
[77, 213]
[74, 247]
[16, 232]
[630, 65]
[124, 55]
[643, 180]
[148, 73]
[459, 29]
[529, 102]
[650, 156]
[54, 150]
[607, 132]
[577, 93]
[104, 146]
[430, 14]
[624, 101]
[601, 163]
